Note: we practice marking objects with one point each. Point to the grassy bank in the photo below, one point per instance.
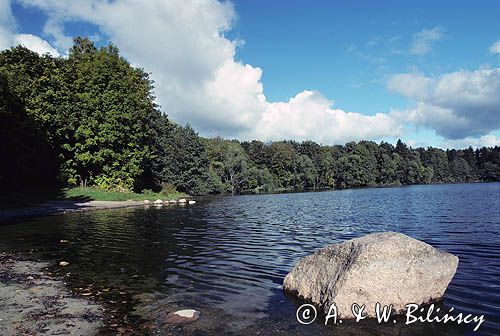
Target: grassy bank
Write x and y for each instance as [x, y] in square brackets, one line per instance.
[92, 194]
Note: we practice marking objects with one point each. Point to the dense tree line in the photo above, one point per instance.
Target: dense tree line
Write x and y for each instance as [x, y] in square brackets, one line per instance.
[91, 120]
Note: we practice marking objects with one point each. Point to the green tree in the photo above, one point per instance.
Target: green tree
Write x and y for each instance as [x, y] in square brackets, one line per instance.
[281, 158]
[230, 162]
[27, 159]
[306, 174]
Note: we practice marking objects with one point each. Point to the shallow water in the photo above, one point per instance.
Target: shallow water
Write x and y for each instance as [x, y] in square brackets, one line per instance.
[227, 256]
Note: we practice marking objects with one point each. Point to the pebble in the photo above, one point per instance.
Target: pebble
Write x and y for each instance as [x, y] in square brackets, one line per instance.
[182, 316]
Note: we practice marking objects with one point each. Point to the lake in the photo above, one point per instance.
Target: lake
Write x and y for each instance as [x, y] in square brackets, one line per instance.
[227, 256]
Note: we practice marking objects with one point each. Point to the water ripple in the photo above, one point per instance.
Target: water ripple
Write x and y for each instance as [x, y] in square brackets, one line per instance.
[233, 252]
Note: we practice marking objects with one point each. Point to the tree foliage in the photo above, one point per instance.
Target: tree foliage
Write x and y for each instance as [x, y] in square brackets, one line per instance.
[91, 119]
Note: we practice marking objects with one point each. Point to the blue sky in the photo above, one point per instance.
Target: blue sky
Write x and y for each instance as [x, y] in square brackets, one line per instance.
[331, 71]
[346, 49]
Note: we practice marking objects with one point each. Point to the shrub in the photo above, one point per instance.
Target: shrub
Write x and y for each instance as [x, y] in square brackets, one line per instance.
[168, 189]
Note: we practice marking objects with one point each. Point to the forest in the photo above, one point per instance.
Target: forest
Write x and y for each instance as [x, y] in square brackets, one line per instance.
[90, 119]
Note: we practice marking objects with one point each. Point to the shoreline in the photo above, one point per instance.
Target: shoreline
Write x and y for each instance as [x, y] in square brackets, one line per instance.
[53, 208]
[64, 207]
[34, 301]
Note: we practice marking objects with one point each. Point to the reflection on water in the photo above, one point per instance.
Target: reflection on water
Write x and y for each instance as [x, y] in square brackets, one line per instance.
[228, 256]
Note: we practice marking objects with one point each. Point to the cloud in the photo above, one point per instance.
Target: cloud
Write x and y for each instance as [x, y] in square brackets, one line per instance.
[310, 115]
[495, 48]
[36, 44]
[409, 84]
[53, 29]
[184, 45]
[489, 140]
[6, 18]
[372, 42]
[423, 40]
[456, 105]
[7, 24]
[9, 37]
[198, 80]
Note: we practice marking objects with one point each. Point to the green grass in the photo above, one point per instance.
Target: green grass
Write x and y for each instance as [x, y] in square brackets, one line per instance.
[93, 194]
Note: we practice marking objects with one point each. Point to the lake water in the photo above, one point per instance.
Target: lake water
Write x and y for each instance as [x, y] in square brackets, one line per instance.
[227, 256]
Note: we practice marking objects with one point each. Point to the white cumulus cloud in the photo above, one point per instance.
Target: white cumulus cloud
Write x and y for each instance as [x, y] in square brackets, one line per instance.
[36, 44]
[456, 105]
[310, 115]
[184, 45]
[9, 37]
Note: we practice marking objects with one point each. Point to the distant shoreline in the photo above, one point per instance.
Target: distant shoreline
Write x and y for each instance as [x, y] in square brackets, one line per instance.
[377, 186]
[53, 208]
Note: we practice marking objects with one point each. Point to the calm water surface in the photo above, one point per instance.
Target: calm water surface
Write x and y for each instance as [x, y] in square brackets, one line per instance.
[227, 256]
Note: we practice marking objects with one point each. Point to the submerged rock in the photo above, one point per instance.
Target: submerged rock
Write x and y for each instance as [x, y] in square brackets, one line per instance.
[183, 316]
[390, 268]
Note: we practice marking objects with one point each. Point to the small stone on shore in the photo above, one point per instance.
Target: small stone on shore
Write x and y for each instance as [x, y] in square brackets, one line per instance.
[192, 202]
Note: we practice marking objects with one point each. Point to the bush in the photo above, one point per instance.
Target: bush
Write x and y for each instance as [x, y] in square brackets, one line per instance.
[147, 192]
[103, 182]
[168, 189]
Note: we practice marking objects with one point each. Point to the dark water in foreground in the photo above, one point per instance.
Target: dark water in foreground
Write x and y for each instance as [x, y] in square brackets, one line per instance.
[228, 256]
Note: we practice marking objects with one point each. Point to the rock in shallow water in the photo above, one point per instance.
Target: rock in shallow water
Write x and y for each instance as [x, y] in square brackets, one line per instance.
[182, 316]
[387, 267]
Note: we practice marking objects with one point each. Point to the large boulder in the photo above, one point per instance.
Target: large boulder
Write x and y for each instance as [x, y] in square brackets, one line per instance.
[388, 267]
